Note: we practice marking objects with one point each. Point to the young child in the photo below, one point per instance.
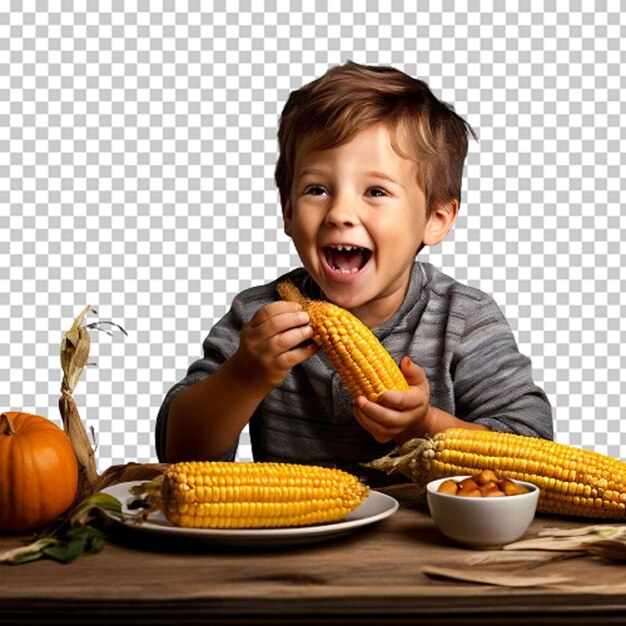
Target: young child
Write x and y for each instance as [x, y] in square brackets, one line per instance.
[369, 173]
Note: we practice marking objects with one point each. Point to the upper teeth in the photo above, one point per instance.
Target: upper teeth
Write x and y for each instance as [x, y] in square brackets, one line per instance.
[347, 248]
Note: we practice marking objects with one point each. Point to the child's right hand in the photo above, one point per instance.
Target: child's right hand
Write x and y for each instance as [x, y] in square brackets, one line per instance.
[270, 343]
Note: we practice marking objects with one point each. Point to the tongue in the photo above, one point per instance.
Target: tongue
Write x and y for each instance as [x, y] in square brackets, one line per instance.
[346, 260]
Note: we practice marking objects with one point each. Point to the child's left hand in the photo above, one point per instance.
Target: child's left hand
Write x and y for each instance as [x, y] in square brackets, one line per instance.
[398, 415]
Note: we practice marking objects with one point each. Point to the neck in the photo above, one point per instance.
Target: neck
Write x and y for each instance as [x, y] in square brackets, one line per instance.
[379, 311]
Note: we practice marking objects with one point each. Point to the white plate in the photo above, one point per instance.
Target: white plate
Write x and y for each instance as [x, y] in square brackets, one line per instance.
[377, 506]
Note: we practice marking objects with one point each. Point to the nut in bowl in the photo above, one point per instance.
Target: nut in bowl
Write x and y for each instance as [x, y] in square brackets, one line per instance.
[482, 521]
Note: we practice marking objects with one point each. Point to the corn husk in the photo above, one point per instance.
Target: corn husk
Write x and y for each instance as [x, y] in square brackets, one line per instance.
[74, 355]
[129, 472]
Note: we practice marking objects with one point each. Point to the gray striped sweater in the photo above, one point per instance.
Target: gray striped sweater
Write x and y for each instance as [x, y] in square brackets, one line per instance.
[456, 333]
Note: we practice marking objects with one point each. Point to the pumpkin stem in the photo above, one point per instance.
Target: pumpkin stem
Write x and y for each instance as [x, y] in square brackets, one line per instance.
[6, 425]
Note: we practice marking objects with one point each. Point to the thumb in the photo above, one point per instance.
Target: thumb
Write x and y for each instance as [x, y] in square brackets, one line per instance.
[413, 373]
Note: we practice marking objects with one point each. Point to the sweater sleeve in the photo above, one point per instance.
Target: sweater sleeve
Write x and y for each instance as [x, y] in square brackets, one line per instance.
[493, 382]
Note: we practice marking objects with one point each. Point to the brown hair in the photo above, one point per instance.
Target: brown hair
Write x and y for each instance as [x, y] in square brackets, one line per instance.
[331, 110]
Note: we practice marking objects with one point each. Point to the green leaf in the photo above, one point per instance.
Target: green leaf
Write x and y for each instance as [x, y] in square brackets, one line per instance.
[73, 536]
[94, 507]
[31, 552]
[79, 540]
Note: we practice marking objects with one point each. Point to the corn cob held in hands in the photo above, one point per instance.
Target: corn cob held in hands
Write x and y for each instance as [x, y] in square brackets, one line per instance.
[206, 494]
[365, 367]
[573, 481]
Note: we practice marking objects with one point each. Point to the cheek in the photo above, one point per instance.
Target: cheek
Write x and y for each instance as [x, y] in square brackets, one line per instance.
[304, 223]
[396, 227]
[397, 237]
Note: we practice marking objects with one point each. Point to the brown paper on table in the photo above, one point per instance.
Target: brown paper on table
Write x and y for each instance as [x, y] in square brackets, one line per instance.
[604, 540]
[500, 579]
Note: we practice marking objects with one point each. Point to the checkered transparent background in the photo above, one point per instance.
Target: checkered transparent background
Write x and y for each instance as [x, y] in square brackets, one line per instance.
[137, 147]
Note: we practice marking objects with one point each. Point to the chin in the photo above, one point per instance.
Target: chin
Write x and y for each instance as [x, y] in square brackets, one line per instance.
[342, 297]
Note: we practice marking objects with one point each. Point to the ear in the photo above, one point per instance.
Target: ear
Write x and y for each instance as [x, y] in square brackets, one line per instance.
[287, 217]
[440, 222]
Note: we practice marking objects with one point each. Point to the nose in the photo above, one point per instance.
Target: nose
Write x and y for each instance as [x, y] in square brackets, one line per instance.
[342, 212]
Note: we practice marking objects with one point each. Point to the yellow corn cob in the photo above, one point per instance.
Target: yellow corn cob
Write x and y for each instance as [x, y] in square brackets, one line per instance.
[573, 481]
[362, 362]
[253, 495]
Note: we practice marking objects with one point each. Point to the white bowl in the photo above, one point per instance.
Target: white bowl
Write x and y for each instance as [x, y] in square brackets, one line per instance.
[482, 522]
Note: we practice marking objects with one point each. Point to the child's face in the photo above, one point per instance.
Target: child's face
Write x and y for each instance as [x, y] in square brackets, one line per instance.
[357, 218]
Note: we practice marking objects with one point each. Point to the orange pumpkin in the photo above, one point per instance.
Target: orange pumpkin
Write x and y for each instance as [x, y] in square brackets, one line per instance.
[38, 471]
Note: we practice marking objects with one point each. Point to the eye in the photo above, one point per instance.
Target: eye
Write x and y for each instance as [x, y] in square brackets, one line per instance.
[377, 192]
[315, 190]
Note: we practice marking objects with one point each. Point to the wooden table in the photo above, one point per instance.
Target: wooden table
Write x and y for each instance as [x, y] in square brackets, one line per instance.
[373, 576]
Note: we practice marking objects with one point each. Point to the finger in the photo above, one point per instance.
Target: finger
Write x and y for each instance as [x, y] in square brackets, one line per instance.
[290, 359]
[281, 322]
[271, 310]
[380, 433]
[402, 400]
[413, 373]
[383, 416]
[290, 338]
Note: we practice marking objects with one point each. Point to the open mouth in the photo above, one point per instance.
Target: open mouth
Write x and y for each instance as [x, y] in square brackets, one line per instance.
[346, 259]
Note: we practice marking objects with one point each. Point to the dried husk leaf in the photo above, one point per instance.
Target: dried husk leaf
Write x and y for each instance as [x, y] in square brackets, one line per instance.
[610, 549]
[605, 541]
[129, 472]
[74, 354]
[500, 579]
[403, 460]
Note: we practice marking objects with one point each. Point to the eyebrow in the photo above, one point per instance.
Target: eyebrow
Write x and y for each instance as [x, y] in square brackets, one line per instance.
[312, 171]
[383, 176]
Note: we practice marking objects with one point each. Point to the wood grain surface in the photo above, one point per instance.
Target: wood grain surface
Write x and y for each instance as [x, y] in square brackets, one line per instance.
[373, 576]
